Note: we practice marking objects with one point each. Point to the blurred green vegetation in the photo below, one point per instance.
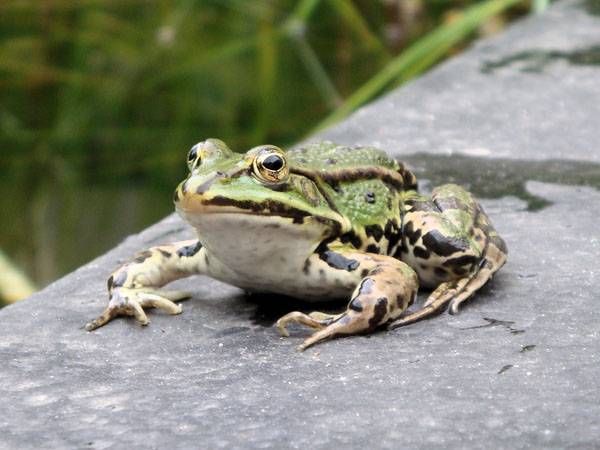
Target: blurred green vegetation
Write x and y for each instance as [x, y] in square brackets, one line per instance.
[101, 99]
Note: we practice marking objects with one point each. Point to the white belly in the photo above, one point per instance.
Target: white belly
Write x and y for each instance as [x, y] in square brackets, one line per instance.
[263, 253]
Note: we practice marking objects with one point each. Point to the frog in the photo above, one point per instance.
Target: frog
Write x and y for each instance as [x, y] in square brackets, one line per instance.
[318, 222]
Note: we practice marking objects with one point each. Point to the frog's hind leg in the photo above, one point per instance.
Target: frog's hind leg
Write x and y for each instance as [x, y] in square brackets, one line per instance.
[458, 220]
[494, 258]
[388, 287]
[453, 292]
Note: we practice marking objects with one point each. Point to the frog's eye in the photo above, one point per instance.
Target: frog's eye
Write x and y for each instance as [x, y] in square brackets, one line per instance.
[193, 159]
[270, 165]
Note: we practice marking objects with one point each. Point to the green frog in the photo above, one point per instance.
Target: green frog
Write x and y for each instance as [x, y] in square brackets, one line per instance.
[319, 222]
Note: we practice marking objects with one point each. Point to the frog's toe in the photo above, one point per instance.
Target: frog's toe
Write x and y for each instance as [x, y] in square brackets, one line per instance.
[346, 324]
[314, 320]
[131, 302]
[164, 300]
[107, 315]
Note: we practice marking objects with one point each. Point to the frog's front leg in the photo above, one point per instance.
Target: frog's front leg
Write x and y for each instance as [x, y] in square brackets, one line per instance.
[388, 286]
[135, 285]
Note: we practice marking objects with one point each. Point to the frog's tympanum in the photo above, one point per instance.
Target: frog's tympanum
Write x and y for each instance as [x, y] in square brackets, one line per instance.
[321, 222]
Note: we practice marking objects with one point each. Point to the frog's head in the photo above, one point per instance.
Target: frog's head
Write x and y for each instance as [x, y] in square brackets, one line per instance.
[254, 199]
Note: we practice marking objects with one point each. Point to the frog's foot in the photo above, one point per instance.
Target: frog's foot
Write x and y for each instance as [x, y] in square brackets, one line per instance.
[456, 292]
[315, 319]
[389, 288]
[132, 301]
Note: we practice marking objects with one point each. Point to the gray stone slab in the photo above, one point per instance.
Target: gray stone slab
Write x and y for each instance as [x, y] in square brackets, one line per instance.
[532, 93]
[518, 368]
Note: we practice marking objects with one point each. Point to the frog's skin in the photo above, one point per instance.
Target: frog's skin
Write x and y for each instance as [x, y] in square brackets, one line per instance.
[320, 222]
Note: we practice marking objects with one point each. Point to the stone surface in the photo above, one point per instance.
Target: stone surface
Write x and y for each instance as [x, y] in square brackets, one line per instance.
[515, 119]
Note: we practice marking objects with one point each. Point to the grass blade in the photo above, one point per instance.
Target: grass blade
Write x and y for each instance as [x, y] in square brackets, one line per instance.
[418, 57]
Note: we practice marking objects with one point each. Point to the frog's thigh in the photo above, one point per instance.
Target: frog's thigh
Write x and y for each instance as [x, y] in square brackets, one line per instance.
[134, 285]
[388, 286]
[456, 249]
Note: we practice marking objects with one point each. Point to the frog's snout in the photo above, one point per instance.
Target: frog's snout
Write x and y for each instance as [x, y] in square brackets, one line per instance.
[196, 186]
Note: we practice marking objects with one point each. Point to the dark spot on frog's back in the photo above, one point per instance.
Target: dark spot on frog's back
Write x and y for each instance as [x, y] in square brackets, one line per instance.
[412, 234]
[374, 230]
[338, 261]
[352, 238]
[461, 261]
[189, 250]
[331, 161]
[442, 245]
[420, 252]
[388, 232]
[372, 248]
[370, 197]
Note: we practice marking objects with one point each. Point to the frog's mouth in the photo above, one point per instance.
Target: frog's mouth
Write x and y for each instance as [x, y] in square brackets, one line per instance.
[267, 208]
[220, 204]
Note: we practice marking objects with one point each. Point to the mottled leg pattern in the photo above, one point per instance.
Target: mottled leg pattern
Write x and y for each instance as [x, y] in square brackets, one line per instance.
[134, 285]
[387, 289]
[461, 247]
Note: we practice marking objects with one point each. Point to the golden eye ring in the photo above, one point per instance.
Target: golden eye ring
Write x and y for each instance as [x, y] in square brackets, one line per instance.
[270, 165]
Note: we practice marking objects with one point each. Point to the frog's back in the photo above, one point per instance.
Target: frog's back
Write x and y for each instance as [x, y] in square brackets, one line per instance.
[364, 184]
[328, 156]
